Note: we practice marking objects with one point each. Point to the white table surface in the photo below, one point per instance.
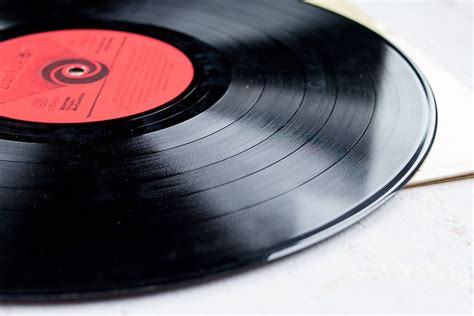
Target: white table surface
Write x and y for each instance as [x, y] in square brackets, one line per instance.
[413, 254]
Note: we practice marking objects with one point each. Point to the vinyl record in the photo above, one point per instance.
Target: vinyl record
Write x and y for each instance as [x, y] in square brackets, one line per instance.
[145, 143]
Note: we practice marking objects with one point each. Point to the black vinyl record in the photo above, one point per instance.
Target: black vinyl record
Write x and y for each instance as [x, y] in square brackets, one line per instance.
[145, 143]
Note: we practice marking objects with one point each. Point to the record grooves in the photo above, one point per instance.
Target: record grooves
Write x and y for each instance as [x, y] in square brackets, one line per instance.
[144, 143]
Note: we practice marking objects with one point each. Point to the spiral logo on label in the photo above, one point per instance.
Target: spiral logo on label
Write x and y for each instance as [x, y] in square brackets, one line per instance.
[74, 71]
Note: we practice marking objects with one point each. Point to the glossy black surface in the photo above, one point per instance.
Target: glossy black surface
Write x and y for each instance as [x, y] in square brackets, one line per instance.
[319, 121]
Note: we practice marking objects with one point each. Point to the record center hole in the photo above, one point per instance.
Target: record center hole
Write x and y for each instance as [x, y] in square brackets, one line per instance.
[76, 71]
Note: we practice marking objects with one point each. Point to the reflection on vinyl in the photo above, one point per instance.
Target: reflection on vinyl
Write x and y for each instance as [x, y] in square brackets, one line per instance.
[147, 143]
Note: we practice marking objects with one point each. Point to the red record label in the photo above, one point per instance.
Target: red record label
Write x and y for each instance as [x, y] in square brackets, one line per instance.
[78, 76]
